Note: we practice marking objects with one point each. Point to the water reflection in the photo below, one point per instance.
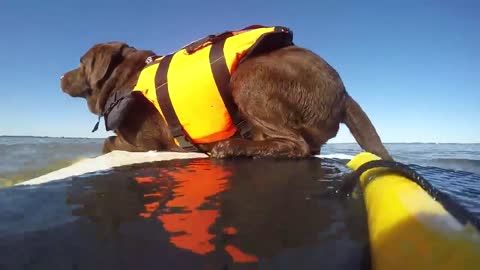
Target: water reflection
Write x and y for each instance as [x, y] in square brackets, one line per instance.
[244, 210]
[192, 210]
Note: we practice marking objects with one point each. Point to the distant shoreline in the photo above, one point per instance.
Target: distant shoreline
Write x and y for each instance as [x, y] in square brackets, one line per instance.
[101, 138]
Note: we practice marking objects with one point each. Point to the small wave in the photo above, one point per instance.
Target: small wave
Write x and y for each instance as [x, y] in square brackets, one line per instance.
[23, 158]
[462, 164]
[10, 179]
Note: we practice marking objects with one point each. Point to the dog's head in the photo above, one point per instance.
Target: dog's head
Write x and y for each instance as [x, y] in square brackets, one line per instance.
[104, 68]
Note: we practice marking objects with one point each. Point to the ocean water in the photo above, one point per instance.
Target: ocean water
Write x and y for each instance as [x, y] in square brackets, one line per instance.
[453, 168]
[201, 213]
[187, 214]
[23, 158]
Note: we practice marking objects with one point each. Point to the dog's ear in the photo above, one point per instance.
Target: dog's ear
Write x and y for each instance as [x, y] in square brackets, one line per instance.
[103, 60]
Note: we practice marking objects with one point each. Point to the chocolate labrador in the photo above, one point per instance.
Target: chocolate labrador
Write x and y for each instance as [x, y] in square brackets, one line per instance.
[291, 98]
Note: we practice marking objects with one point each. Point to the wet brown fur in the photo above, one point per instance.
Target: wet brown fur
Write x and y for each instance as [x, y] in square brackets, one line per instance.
[293, 100]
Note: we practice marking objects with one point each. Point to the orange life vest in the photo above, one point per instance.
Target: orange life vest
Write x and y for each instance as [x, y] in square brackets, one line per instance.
[190, 88]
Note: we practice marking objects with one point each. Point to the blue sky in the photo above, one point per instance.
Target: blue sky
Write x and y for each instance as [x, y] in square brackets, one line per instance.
[412, 65]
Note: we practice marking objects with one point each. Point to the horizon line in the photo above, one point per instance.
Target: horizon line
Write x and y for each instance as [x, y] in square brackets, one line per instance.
[68, 137]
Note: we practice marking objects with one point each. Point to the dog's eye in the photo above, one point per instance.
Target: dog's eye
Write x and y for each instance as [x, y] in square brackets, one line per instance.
[81, 60]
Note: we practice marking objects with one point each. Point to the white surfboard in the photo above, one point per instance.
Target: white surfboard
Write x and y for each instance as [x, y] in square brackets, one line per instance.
[121, 158]
[109, 161]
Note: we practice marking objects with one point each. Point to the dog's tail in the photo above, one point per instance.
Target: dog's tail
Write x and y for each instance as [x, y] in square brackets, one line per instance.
[363, 130]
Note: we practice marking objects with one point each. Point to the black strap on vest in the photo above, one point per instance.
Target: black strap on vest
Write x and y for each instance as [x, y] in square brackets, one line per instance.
[166, 105]
[221, 76]
[281, 37]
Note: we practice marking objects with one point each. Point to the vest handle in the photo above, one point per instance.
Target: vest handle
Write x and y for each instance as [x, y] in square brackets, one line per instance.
[208, 40]
[211, 39]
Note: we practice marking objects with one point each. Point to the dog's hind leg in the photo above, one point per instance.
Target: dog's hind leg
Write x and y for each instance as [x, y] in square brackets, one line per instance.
[269, 141]
[274, 148]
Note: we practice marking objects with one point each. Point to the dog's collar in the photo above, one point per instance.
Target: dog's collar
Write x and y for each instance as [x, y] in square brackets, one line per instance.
[118, 104]
[111, 103]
